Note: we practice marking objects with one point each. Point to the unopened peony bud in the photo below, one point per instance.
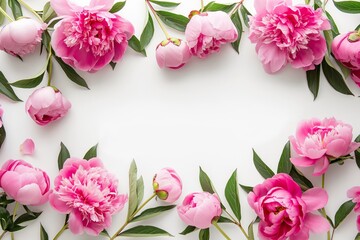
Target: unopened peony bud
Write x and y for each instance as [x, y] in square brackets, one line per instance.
[167, 185]
[172, 53]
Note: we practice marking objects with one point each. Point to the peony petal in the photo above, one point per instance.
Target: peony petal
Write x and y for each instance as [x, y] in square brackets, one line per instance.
[321, 166]
[29, 195]
[316, 223]
[62, 7]
[27, 147]
[75, 224]
[315, 198]
[302, 161]
[58, 204]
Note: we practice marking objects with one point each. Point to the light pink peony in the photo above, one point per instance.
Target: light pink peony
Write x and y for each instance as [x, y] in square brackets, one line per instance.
[206, 32]
[346, 49]
[199, 209]
[21, 37]
[46, 105]
[316, 141]
[88, 192]
[167, 185]
[285, 212]
[89, 38]
[24, 183]
[288, 34]
[172, 53]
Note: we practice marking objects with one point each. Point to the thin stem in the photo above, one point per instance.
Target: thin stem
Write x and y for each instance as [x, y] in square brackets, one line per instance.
[220, 230]
[238, 5]
[323, 180]
[49, 69]
[237, 224]
[61, 231]
[158, 19]
[30, 9]
[323, 209]
[324, 4]
[3, 234]
[3, 12]
[132, 216]
[13, 218]
[202, 6]
[332, 234]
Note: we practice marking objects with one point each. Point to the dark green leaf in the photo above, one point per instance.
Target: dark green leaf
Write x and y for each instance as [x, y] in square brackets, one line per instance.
[224, 220]
[117, 7]
[235, 18]
[173, 20]
[3, 6]
[6, 89]
[5, 218]
[251, 231]
[48, 13]
[133, 200]
[300, 179]
[285, 165]
[344, 70]
[334, 27]
[205, 182]
[165, 4]
[140, 189]
[204, 234]
[30, 82]
[71, 73]
[26, 217]
[144, 231]
[113, 65]
[348, 6]
[63, 155]
[245, 15]
[261, 167]
[147, 33]
[188, 229]
[43, 233]
[105, 233]
[357, 237]
[330, 221]
[247, 189]
[46, 39]
[15, 8]
[313, 80]
[317, 4]
[213, 6]
[134, 43]
[357, 153]
[14, 228]
[2, 135]
[4, 201]
[335, 79]
[152, 212]
[357, 28]
[232, 195]
[343, 211]
[91, 153]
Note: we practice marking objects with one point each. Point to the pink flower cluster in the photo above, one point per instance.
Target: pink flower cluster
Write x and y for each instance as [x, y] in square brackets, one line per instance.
[354, 193]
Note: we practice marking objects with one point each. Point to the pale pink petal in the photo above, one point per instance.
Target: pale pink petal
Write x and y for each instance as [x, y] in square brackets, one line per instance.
[321, 166]
[316, 223]
[29, 195]
[315, 198]
[75, 223]
[27, 147]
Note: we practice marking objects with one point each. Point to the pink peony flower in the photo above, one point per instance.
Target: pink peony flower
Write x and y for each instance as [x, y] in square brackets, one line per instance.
[285, 212]
[21, 37]
[206, 32]
[24, 183]
[316, 141]
[167, 185]
[27, 147]
[288, 34]
[89, 38]
[199, 209]
[88, 192]
[46, 105]
[172, 53]
[346, 49]
[354, 193]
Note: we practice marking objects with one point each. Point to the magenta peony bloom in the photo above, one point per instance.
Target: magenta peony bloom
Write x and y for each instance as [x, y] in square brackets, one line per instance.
[46, 105]
[346, 49]
[206, 32]
[199, 209]
[172, 53]
[89, 38]
[288, 34]
[24, 183]
[167, 185]
[20, 37]
[285, 212]
[316, 141]
[88, 192]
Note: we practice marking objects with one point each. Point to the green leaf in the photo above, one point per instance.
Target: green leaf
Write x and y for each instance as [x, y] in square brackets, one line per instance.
[357, 237]
[15, 8]
[30, 82]
[334, 27]
[317, 4]
[48, 13]
[235, 18]
[224, 220]
[26, 217]
[147, 33]
[2, 135]
[357, 153]
[165, 4]
[117, 7]
[205, 182]
[43, 233]
[144, 231]
[188, 229]
[91, 153]
[335, 79]
[344, 70]
[313, 80]
[152, 212]
[204, 234]
[261, 167]
[285, 165]
[71, 73]
[3, 6]
[134, 43]
[176, 21]
[133, 200]
[213, 6]
[251, 231]
[6, 89]
[232, 195]
[300, 179]
[105, 233]
[63, 155]
[247, 189]
[343, 211]
[5, 218]
[113, 65]
[140, 189]
[348, 6]
[245, 15]
[357, 27]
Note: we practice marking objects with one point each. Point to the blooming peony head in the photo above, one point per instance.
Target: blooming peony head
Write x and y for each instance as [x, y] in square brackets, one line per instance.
[318, 140]
[206, 32]
[199, 209]
[46, 105]
[167, 185]
[24, 183]
[285, 212]
[288, 34]
[172, 53]
[21, 37]
[88, 192]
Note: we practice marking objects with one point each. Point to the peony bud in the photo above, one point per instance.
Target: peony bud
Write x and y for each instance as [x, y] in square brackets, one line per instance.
[172, 53]
[167, 185]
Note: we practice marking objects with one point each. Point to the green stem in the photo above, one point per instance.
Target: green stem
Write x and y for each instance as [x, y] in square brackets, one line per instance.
[202, 6]
[238, 5]
[3, 12]
[132, 217]
[220, 230]
[324, 4]
[13, 218]
[323, 210]
[237, 224]
[49, 69]
[30, 9]
[158, 19]
[61, 231]
[3, 234]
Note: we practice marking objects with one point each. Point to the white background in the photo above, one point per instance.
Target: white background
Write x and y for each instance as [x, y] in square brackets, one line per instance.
[211, 113]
